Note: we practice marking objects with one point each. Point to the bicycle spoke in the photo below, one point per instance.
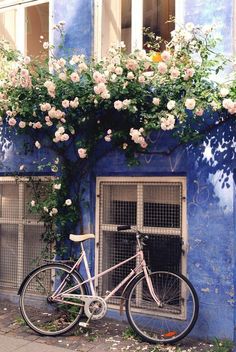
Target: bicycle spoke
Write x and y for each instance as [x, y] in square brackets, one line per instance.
[40, 311]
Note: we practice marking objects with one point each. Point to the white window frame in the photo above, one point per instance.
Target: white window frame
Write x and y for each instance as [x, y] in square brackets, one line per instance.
[144, 181]
[20, 6]
[136, 23]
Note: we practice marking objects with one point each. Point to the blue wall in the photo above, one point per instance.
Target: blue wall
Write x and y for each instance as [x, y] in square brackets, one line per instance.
[78, 15]
[209, 171]
[210, 213]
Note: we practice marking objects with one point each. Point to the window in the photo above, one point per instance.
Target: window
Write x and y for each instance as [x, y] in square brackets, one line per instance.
[156, 206]
[20, 232]
[22, 25]
[123, 20]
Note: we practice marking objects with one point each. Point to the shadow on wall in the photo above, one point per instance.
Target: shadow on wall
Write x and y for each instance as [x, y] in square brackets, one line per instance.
[211, 261]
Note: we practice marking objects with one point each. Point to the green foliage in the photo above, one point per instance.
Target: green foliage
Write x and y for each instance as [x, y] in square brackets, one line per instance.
[77, 108]
[222, 346]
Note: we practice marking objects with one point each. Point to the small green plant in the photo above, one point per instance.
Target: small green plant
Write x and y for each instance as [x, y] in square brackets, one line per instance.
[19, 321]
[129, 334]
[222, 345]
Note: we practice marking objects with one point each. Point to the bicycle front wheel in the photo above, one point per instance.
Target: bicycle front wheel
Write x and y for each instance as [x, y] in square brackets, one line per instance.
[43, 314]
[176, 315]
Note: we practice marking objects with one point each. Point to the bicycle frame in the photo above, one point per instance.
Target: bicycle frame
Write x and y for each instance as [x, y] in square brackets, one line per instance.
[141, 266]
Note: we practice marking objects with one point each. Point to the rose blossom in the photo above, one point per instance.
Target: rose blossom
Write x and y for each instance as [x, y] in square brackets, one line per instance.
[165, 55]
[189, 72]
[68, 202]
[107, 138]
[37, 145]
[223, 92]
[65, 103]
[170, 104]
[62, 76]
[54, 211]
[12, 121]
[119, 70]
[45, 45]
[190, 104]
[132, 64]
[27, 60]
[57, 186]
[168, 123]
[82, 153]
[65, 137]
[174, 73]
[162, 68]
[199, 112]
[130, 75]
[141, 79]
[75, 77]
[156, 101]
[32, 203]
[118, 105]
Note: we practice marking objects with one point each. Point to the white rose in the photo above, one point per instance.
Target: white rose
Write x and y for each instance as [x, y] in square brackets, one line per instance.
[32, 203]
[156, 101]
[68, 202]
[223, 92]
[171, 105]
[37, 145]
[190, 104]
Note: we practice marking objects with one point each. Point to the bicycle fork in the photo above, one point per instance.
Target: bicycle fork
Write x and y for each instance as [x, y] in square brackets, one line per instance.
[150, 287]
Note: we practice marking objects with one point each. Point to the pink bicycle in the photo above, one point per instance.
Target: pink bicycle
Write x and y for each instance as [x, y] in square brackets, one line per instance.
[161, 306]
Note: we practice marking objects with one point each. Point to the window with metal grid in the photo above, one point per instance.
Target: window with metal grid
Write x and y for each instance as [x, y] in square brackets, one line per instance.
[155, 207]
[20, 232]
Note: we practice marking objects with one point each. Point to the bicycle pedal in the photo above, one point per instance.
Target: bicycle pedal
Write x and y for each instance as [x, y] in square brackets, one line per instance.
[83, 324]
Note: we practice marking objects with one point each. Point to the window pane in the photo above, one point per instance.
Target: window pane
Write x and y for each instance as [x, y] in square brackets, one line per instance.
[155, 15]
[33, 247]
[8, 255]
[9, 201]
[120, 205]
[37, 24]
[126, 24]
[8, 26]
[162, 206]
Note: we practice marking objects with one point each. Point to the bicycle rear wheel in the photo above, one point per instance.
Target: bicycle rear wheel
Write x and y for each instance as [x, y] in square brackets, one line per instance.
[176, 316]
[40, 312]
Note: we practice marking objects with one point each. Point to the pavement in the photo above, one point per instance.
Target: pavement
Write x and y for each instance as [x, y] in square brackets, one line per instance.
[104, 335]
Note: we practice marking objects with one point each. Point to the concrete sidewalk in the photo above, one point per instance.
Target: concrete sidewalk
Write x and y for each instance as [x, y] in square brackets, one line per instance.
[14, 344]
[106, 335]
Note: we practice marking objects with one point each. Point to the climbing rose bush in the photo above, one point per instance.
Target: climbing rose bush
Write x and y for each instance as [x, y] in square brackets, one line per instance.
[76, 105]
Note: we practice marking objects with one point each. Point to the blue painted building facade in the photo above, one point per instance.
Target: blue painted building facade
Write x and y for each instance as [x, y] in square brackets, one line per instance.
[209, 169]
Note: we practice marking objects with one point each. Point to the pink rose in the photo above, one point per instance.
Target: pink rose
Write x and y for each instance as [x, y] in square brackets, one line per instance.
[75, 77]
[65, 103]
[165, 55]
[118, 105]
[82, 153]
[12, 121]
[22, 124]
[174, 73]
[162, 68]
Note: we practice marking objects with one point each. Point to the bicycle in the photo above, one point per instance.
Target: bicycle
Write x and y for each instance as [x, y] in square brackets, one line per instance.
[161, 306]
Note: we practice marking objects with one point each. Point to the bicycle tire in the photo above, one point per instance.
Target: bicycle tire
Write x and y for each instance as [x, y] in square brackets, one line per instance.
[42, 315]
[169, 323]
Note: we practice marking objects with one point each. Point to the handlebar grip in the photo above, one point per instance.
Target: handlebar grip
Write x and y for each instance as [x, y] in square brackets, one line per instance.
[123, 227]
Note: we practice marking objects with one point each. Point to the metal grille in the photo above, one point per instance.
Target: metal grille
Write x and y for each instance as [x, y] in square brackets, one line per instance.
[156, 209]
[20, 232]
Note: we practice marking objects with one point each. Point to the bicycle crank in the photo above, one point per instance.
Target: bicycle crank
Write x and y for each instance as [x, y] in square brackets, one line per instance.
[95, 308]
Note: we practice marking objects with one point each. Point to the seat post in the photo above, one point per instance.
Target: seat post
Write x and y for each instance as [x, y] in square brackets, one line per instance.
[88, 273]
